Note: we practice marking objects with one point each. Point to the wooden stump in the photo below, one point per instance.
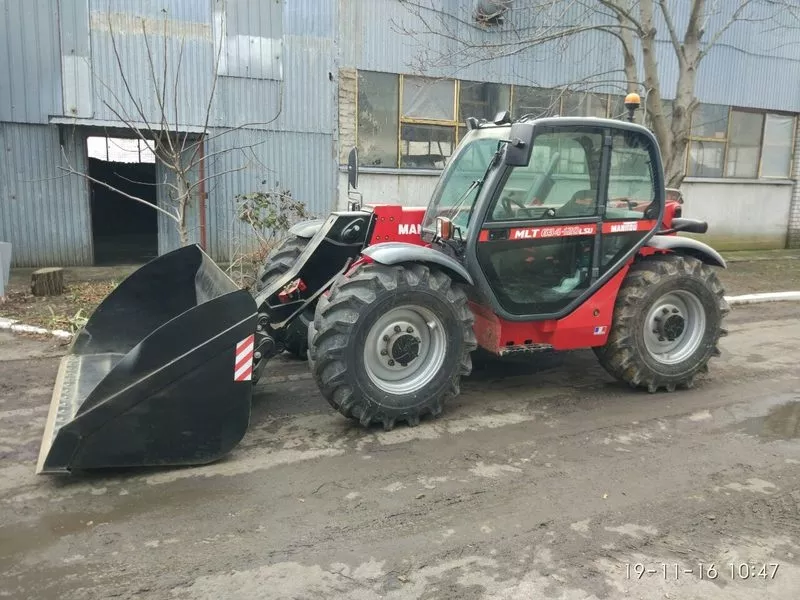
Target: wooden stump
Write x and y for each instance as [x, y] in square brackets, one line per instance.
[48, 282]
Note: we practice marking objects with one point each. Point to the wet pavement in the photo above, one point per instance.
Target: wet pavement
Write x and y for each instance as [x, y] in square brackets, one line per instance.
[544, 479]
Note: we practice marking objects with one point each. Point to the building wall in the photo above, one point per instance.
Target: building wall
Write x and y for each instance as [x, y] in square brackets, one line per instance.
[793, 233]
[44, 211]
[390, 188]
[30, 64]
[273, 119]
[374, 36]
[740, 215]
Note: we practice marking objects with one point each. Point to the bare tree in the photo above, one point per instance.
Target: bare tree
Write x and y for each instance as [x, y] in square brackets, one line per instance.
[541, 29]
[162, 131]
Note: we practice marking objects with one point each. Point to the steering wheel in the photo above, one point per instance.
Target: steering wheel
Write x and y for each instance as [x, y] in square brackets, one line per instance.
[532, 212]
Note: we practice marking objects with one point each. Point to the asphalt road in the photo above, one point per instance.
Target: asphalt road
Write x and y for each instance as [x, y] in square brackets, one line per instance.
[544, 479]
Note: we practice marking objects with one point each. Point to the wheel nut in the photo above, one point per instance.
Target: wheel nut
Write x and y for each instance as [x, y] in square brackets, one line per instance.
[410, 330]
[665, 310]
[397, 328]
[674, 311]
[661, 338]
[391, 362]
[384, 352]
[386, 338]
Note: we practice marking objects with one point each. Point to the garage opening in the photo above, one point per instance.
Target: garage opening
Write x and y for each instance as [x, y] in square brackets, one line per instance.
[124, 231]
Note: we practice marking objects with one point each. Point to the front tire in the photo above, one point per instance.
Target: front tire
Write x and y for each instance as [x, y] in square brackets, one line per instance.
[667, 323]
[391, 343]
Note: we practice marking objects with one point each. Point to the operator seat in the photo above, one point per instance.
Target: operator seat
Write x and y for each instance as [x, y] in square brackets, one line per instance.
[582, 204]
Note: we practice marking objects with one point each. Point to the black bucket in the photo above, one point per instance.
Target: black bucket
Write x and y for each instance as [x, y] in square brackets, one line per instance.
[159, 374]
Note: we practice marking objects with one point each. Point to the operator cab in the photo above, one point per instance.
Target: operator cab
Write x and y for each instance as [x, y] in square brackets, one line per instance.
[544, 211]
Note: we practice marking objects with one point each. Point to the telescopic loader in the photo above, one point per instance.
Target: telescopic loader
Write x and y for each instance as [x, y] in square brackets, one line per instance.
[541, 234]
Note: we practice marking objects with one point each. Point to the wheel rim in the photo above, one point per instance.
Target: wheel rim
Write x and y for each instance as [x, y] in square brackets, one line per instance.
[674, 327]
[404, 349]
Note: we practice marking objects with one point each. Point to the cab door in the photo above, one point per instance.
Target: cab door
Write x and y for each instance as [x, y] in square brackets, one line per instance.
[549, 237]
[539, 245]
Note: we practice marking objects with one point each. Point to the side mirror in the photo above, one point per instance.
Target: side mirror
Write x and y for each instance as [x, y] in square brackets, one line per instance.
[352, 168]
[520, 147]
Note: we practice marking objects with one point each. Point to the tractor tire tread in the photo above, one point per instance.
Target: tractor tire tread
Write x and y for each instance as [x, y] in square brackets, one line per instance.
[336, 316]
[620, 357]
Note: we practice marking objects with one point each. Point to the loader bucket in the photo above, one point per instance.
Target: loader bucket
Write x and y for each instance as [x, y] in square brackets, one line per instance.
[152, 378]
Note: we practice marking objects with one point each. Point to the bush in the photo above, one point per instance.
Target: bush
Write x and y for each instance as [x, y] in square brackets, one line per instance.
[269, 215]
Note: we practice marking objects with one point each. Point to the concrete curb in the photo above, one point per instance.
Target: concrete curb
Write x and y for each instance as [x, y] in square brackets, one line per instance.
[765, 297]
[16, 326]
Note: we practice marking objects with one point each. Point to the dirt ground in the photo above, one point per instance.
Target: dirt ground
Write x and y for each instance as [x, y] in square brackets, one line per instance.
[86, 287]
[544, 479]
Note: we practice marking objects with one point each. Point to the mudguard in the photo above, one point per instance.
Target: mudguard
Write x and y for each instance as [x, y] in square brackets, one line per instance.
[393, 253]
[689, 246]
[160, 374]
[307, 229]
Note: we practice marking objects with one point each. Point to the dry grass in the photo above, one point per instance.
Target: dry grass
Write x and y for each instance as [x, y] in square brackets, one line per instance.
[68, 311]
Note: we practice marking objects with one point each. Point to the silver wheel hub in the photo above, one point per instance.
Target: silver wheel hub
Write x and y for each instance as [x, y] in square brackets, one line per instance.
[674, 327]
[404, 349]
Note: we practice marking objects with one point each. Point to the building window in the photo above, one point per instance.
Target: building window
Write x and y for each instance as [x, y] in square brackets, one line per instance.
[708, 135]
[377, 118]
[427, 122]
[744, 144]
[777, 147]
[740, 143]
[123, 150]
[406, 121]
[536, 102]
[583, 104]
[482, 100]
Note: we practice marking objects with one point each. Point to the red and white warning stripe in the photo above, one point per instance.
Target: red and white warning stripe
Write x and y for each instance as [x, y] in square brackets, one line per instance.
[243, 369]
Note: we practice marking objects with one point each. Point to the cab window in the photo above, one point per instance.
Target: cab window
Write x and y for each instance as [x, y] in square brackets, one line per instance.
[560, 181]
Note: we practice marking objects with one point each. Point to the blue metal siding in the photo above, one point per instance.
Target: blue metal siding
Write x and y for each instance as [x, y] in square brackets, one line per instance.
[44, 212]
[304, 101]
[76, 57]
[113, 77]
[30, 66]
[743, 69]
[302, 163]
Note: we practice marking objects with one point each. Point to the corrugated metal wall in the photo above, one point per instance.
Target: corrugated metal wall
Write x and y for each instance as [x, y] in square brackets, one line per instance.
[284, 89]
[30, 63]
[371, 37]
[286, 104]
[44, 212]
[301, 163]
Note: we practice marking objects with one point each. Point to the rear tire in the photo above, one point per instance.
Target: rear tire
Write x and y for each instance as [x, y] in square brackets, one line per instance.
[391, 343]
[666, 325]
[280, 260]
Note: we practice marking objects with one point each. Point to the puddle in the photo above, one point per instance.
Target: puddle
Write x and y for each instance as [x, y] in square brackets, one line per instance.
[782, 422]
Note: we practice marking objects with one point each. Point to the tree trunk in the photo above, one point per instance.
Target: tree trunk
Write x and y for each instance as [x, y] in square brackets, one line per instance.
[48, 282]
[655, 109]
[183, 202]
[685, 101]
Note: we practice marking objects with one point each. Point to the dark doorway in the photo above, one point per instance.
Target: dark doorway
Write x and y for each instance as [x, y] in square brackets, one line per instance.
[124, 231]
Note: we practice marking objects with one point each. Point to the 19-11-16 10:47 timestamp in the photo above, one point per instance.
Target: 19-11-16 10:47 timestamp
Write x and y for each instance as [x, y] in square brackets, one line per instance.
[742, 570]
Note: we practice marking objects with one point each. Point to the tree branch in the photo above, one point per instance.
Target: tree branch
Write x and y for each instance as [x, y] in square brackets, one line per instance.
[72, 171]
[673, 33]
[722, 30]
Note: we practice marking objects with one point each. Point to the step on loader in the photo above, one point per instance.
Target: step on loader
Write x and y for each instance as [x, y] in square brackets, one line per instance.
[541, 235]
